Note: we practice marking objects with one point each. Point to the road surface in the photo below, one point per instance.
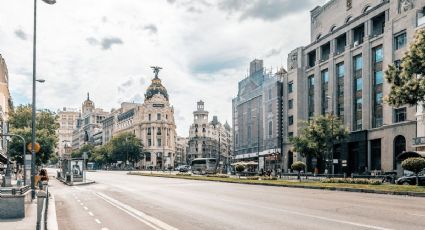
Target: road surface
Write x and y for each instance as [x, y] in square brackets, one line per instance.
[124, 202]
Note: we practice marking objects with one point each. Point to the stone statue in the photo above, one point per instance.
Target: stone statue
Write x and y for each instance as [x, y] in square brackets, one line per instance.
[156, 70]
[405, 5]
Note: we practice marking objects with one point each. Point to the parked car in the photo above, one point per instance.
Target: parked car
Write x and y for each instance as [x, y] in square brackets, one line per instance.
[410, 180]
[183, 168]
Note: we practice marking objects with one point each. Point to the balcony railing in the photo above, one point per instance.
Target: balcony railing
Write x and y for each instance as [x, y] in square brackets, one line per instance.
[418, 141]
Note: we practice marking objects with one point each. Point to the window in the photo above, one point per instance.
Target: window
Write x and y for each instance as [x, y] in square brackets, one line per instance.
[149, 117]
[311, 96]
[270, 108]
[158, 141]
[378, 80]
[290, 120]
[270, 129]
[378, 25]
[270, 94]
[399, 115]
[290, 87]
[290, 134]
[291, 104]
[341, 42]
[358, 88]
[148, 156]
[400, 41]
[325, 84]
[340, 72]
[158, 131]
[358, 35]
[149, 142]
[149, 131]
[325, 51]
[158, 116]
[312, 58]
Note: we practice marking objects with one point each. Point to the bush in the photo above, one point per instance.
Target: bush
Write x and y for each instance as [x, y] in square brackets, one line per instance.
[298, 166]
[351, 181]
[414, 164]
[261, 178]
[252, 177]
[218, 175]
[240, 168]
[184, 174]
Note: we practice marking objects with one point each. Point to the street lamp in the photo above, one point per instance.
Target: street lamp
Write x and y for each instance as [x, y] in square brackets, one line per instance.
[34, 80]
[258, 141]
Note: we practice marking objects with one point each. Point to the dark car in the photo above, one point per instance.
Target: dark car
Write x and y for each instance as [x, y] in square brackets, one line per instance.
[183, 168]
[410, 180]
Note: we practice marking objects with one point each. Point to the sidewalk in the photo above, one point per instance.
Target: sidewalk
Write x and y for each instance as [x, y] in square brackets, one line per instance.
[29, 222]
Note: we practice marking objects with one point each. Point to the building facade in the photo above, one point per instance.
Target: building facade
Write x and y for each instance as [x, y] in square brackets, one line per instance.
[209, 139]
[89, 123]
[5, 107]
[152, 122]
[182, 148]
[257, 116]
[341, 72]
[67, 119]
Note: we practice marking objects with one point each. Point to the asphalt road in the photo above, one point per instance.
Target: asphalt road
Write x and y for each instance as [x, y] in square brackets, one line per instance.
[123, 202]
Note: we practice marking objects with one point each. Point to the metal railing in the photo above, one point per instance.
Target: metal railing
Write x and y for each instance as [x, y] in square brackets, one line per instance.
[14, 191]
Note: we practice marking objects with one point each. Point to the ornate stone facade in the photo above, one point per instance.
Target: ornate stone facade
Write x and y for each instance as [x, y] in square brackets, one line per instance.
[67, 119]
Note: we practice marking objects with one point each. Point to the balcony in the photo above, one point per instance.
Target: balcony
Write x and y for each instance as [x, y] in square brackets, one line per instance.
[418, 141]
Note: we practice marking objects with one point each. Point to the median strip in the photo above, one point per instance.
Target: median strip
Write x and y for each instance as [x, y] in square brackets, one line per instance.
[418, 191]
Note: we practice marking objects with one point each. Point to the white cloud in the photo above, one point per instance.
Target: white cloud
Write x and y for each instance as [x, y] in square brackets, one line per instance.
[106, 47]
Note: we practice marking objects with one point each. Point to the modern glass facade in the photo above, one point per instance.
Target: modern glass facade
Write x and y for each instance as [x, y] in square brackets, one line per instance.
[358, 90]
[378, 81]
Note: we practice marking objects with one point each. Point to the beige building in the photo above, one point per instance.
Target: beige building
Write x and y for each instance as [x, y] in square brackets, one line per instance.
[182, 147]
[152, 122]
[5, 106]
[67, 119]
[89, 124]
[342, 72]
[209, 139]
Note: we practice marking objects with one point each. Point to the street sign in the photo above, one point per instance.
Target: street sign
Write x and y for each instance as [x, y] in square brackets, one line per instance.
[37, 147]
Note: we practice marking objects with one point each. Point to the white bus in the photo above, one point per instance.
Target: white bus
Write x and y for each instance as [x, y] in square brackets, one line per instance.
[204, 166]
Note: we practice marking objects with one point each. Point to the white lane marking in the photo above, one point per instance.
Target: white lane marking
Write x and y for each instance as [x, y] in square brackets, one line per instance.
[414, 214]
[79, 201]
[86, 208]
[90, 213]
[104, 229]
[148, 220]
[97, 221]
[81, 204]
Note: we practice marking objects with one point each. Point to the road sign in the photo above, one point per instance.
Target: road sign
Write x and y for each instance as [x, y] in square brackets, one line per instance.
[37, 147]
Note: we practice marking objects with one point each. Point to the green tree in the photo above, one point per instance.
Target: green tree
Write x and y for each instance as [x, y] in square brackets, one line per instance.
[102, 155]
[317, 136]
[414, 164]
[126, 146]
[298, 166]
[46, 125]
[407, 80]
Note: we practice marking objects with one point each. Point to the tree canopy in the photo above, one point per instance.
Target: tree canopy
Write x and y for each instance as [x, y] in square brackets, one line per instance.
[414, 164]
[316, 137]
[408, 78]
[126, 146]
[46, 125]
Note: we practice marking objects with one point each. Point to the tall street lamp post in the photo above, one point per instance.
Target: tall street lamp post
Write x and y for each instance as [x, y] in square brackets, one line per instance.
[34, 80]
[258, 141]
[332, 134]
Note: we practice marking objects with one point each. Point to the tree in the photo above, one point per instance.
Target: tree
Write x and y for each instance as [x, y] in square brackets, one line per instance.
[414, 164]
[408, 79]
[46, 125]
[126, 146]
[239, 168]
[102, 155]
[317, 137]
[298, 166]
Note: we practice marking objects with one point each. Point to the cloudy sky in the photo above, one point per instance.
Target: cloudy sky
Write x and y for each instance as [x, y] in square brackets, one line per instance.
[106, 47]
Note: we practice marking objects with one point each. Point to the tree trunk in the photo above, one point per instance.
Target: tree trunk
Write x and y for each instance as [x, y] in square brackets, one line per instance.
[417, 179]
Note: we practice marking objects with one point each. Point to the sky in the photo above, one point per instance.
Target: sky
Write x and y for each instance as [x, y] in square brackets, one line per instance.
[106, 47]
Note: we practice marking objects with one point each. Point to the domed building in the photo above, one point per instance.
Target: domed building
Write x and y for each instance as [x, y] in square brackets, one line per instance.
[152, 122]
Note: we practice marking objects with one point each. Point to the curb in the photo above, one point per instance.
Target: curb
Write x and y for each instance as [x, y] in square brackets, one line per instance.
[359, 190]
[78, 184]
[52, 221]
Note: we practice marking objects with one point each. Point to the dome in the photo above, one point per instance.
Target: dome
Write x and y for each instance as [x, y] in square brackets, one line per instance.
[156, 87]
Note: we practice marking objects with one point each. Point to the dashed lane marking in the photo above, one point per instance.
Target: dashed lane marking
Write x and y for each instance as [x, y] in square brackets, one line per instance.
[97, 221]
[86, 208]
[91, 214]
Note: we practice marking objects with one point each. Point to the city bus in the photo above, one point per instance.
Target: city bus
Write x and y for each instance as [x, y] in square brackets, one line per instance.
[204, 166]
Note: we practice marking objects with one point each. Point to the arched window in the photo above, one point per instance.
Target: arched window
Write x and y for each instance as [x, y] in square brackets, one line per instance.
[399, 147]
